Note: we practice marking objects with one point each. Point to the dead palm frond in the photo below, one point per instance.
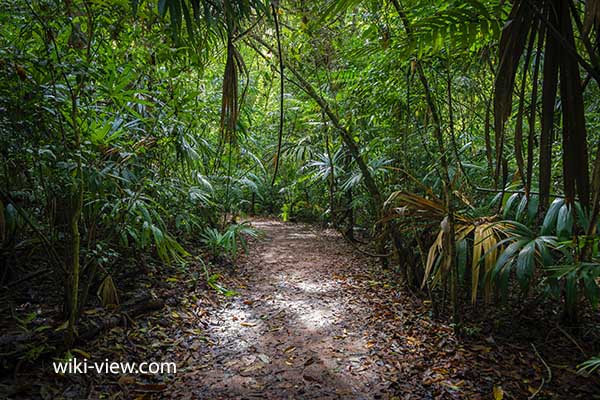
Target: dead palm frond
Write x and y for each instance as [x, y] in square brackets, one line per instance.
[230, 101]
[549, 23]
[485, 234]
[108, 292]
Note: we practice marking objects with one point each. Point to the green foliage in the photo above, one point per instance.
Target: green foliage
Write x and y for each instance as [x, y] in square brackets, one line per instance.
[120, 122]
[228, 243]
[557, 256]
[164, 116]
[521, 253]
[589, 366]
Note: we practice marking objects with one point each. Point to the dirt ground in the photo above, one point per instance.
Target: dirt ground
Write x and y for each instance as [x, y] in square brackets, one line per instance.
[313, 319]
[295, 329]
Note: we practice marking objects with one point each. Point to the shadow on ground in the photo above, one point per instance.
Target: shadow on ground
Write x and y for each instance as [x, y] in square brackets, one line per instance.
[294, 330]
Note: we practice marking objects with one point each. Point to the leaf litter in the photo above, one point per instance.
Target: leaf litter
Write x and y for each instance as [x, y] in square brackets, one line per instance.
[313, 320]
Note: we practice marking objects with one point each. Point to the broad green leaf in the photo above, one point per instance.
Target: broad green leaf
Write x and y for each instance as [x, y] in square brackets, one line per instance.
[564, 222]
[551, 216]
[525, 265]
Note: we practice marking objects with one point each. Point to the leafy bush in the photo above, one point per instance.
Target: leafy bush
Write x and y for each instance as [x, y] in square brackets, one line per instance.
[228, 242]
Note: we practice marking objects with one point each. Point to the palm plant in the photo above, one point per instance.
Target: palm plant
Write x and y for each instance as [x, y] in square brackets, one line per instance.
[484, 234]
[228, 243]
[522, 251]
[322, 168]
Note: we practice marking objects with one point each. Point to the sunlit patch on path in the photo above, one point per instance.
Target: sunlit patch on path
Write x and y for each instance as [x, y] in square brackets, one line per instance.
[294, 330]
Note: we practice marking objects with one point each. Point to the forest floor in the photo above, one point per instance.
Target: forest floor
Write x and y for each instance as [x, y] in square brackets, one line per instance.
[300, 326]
[313, 319]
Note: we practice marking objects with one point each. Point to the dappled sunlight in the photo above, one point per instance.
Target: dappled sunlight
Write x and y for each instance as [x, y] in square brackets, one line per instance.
[316, 317]
[315, 287]
[233, 322]
[292, 280]
[303, 235]
[292, 330]
[306, 312]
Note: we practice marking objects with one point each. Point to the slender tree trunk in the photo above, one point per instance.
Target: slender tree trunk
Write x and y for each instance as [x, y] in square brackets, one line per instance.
[73, 277]
[349, 229]
[448, 223]
[74, 272]
[331, 180]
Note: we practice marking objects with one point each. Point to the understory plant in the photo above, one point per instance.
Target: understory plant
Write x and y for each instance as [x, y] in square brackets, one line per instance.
[493, 251]
[228, 242]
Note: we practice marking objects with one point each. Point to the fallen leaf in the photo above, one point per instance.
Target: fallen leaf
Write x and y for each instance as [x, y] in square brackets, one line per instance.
[82, 353]
[151, 387]
[310, 378]
[126, 380]
[498, 393]
[264, 358]
[480, 348]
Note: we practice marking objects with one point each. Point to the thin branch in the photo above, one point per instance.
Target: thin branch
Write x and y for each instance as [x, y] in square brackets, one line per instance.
[489, 190]
[281, 92]
[543, 380]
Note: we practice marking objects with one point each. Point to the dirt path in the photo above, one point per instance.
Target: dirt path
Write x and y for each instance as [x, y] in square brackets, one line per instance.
[295, 330]
[315, 320]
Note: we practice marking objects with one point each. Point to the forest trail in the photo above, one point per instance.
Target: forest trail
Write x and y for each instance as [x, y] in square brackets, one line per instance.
[297, 327]
[313, 319]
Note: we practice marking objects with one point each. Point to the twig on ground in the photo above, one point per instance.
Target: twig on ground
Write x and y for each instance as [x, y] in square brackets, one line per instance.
[543, 380]
[571, 339]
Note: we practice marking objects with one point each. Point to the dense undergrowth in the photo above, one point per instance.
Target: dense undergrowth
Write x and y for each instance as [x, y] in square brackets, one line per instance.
[454, 141]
